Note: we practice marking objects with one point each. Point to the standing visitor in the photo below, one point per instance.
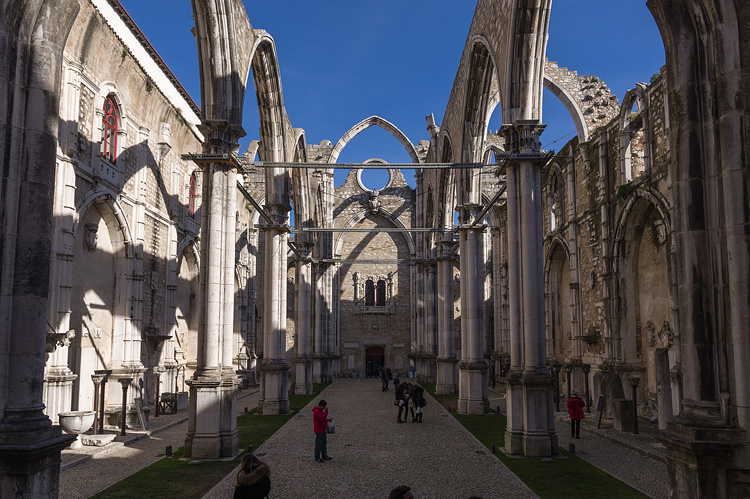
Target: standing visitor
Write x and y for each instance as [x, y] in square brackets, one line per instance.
[418, 401]
[320, 426]
[384, 378]
[575, 407]
[401, 401]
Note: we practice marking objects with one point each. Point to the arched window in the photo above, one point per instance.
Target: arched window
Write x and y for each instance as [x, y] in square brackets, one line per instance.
[369, 293]
[109, 129]
[380, 294]
[192, 194]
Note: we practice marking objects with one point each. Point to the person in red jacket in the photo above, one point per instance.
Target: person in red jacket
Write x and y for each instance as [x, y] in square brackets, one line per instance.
[575, 407]
[320, 426]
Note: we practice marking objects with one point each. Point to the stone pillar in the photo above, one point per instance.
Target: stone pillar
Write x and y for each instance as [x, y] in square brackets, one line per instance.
[525, 211]
[429, 374]
[303, 384]
[275, 366]
[29, 445]
[472, 369]
[446, 359]
[59, 378]
[212, 431]
[320, 315]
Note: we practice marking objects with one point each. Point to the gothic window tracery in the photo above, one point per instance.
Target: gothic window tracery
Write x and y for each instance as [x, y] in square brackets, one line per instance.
[374, 293]
[109, 129]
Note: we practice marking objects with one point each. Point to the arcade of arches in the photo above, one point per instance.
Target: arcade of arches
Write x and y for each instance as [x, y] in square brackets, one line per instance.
[623, 257]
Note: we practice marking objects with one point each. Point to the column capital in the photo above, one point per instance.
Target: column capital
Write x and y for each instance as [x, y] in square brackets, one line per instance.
[522, 137]
[220, 136]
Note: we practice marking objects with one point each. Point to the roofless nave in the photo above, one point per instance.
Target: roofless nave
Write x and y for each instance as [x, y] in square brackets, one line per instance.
[626, 257]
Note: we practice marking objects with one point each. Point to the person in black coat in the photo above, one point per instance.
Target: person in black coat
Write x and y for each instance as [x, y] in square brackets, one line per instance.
[400, 397]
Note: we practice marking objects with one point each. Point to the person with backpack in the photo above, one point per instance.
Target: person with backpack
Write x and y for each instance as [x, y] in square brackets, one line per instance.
[418, 402]
[253, 480]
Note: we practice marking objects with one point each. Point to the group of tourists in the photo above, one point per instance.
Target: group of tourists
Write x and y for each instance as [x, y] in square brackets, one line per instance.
[409, 399]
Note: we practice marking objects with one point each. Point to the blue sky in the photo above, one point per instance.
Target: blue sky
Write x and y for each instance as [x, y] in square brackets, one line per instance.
[342, 61]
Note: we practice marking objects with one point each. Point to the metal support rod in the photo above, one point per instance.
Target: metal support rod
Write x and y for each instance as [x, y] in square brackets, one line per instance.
[370, 166]
[254, 203]
[490, 204]
[374, 229]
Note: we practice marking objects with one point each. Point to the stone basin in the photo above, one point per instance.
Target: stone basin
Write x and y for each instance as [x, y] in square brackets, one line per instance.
[76, 422]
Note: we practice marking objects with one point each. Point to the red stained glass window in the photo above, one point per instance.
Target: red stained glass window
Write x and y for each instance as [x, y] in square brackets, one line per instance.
[109, 130]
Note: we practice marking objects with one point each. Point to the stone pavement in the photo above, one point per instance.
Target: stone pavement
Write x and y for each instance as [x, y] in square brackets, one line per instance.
[372, 453]
[87, 471]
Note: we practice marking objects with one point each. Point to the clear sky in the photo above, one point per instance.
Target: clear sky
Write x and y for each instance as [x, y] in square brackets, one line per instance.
[342, 61]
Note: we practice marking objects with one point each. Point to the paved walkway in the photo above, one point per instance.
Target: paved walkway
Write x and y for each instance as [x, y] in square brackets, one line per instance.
[88, 471]
[372, 453]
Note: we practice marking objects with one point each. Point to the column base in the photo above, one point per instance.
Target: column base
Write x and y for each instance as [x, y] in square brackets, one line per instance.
[537, 399]
[471, 387]
[58, 392]
[514, 428]
[212, 427]
[446, 376]
[30, 462]
[702, 457]
[302, 383]
[274, 387]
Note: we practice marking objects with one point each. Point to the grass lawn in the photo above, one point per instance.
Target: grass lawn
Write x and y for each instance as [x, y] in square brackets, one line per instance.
[569, 476]
[172, 477]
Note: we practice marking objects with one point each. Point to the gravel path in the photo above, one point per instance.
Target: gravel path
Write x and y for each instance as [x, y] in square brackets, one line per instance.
[372, 453]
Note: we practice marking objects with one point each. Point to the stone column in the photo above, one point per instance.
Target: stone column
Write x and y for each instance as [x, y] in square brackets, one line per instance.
[320, 315]
[275, 366]
[446, 359]
[212, 431]
[302, 362]
[472, 369]
[29, 445]
[428, 374]
[59, 378]
[538, 437]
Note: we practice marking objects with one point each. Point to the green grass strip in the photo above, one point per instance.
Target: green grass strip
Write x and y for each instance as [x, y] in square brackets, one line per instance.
[568, 477]
[171, 477]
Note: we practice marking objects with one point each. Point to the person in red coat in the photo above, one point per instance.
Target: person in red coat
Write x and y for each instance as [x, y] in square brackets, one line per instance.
[320, 426]
[575, 407]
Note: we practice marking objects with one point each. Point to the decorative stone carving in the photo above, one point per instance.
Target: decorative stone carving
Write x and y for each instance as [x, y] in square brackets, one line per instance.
[90, 237]
[55, 340]
[375, 203]
[663, 339]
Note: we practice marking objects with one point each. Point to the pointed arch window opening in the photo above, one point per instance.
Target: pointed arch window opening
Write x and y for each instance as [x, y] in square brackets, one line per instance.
[110, 126]
[192, 195]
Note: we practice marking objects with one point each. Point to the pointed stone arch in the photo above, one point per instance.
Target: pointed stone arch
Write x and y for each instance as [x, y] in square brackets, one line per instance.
[364, 214]
[364, 125]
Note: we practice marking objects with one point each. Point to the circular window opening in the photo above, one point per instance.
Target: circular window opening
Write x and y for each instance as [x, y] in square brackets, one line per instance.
[374, 179]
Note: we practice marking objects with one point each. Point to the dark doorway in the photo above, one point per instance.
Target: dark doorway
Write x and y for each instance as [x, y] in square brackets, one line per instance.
[374, 357]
